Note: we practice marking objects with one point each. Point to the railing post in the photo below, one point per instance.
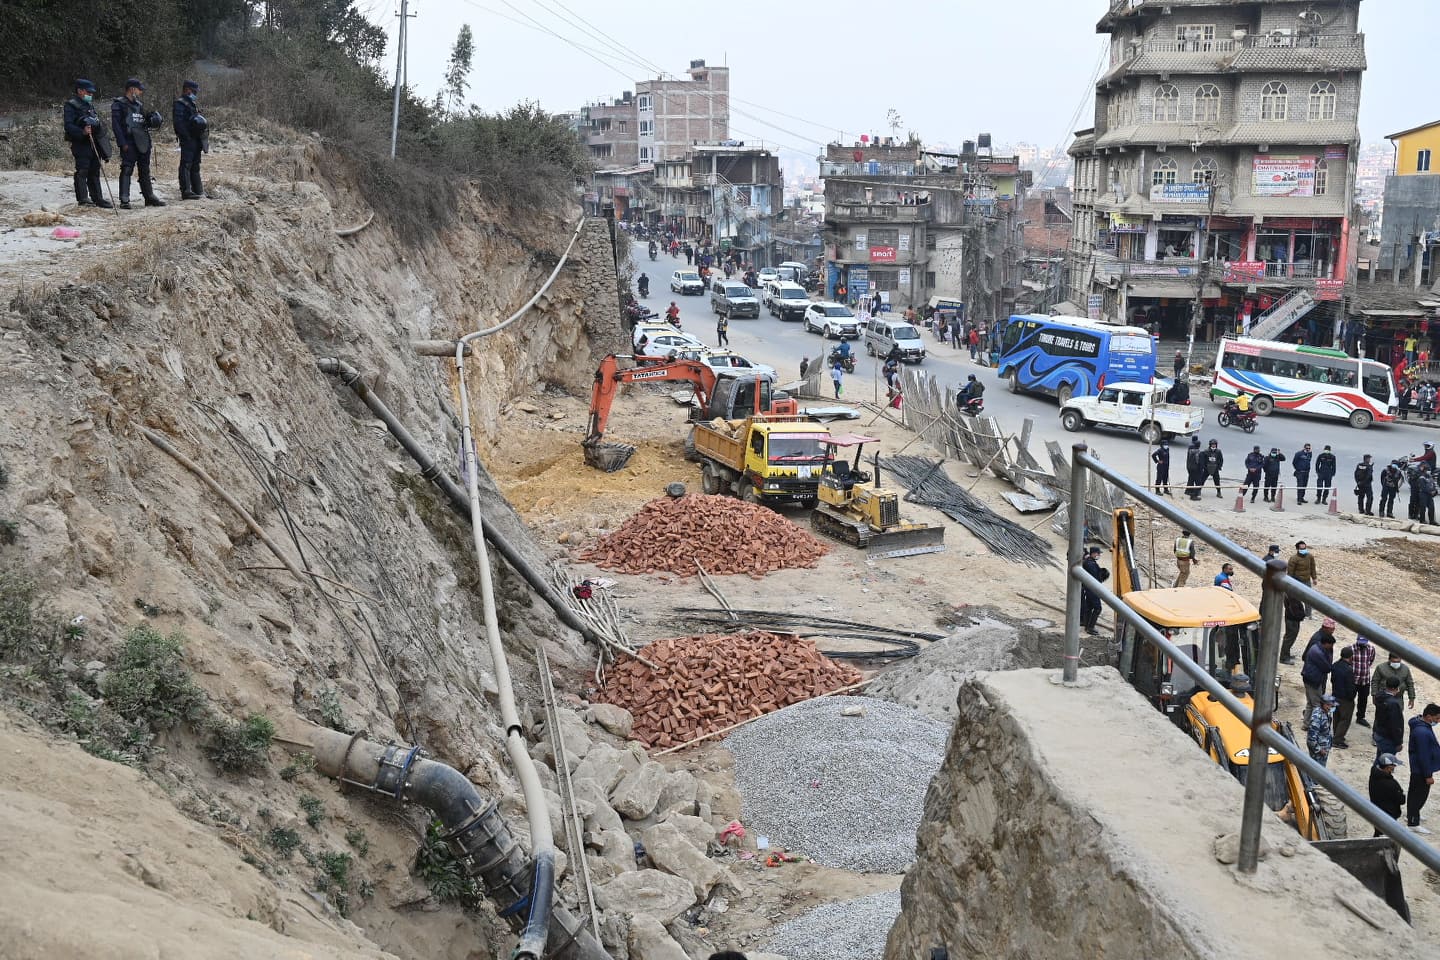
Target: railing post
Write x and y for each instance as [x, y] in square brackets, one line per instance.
[1267, 666]
[1073, 559]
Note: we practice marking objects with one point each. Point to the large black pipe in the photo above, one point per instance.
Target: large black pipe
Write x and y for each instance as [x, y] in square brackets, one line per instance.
[476, 833]
[458, 500]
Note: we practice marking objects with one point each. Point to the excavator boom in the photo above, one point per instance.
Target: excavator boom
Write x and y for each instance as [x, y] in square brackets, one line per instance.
[608, 378]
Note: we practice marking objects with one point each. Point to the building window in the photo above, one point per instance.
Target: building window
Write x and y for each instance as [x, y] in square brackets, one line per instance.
[1322, 101]
[1164, 171]
[884, 279]
[1195, 38]
[1322, 177]
[1204, 170]
[929, 241]
[642, 102]
[1207, 103]
[647, 128]
[644, 154]
[1274, 101]
[1167, 103]
[1422, 161]
[930, 279]
[884, 236]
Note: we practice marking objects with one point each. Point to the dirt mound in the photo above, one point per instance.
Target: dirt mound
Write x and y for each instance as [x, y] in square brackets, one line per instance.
[728, 536]
[709, 682]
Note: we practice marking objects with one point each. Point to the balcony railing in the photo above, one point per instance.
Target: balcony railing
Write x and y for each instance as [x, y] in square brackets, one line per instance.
[1211, 46]
[899, 212]
[1299, 270]
[1321, 41]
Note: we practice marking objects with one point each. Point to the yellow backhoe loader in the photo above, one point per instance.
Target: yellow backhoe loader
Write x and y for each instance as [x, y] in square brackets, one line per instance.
[1220, 630]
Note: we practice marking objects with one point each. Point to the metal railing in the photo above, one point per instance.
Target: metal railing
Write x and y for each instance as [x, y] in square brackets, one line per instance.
[1276, 585]
[1323, 41]
[1299, 270]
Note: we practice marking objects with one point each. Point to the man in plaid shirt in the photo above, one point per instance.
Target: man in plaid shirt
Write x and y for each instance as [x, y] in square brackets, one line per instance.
[1362, 662]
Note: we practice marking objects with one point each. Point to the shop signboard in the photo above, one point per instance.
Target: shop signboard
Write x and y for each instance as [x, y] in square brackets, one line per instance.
[1094, 305]
[882, 254]
[1119, 223]
[1283, 176]
[859, 285]
[1329, 289]
[1244, 271]
[1180, 193]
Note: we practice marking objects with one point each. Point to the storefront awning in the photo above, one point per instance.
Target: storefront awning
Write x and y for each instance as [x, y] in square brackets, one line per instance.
[1173, 290]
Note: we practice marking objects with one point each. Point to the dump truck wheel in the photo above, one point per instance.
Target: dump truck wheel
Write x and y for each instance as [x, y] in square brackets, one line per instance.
[709, 482]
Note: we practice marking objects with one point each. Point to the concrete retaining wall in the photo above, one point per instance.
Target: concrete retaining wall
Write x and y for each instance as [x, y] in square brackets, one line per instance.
[1081, 823]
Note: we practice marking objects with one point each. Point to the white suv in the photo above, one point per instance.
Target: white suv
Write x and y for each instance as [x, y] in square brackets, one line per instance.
[831, 320]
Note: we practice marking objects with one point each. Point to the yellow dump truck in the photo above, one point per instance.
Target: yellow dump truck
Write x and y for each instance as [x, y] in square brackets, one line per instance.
[770, 460]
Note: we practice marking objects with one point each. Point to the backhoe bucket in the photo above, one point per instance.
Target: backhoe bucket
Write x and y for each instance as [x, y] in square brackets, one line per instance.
[1375, 863]
[608, 456]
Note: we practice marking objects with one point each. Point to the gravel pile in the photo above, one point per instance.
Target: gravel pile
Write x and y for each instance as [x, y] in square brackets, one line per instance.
[848, 930]
[847, 792]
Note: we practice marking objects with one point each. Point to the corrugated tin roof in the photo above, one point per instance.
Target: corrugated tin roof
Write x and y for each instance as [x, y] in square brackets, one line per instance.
[1298, 133]
[1406, 133]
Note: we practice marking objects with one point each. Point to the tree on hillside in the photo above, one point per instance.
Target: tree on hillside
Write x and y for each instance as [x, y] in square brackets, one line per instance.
[457, 71]
[331, 21]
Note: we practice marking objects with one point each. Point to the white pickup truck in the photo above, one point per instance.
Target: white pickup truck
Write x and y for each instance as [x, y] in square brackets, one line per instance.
[1133, 406]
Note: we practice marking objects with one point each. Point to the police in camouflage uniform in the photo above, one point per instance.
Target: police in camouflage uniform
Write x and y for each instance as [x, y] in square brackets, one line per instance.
[132, 126]
[193, 132]
[89, 144]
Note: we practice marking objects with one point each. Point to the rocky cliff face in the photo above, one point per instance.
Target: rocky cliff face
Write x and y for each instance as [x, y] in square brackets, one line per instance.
[202, 323]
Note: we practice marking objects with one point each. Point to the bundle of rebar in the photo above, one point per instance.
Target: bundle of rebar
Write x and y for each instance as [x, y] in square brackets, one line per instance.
[894, 643]
[930, 486]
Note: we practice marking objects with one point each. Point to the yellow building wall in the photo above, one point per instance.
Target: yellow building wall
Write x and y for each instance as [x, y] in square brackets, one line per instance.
[1410, 146]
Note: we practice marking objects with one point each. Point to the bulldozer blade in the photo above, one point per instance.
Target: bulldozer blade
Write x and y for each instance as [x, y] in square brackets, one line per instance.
[906, 543]
[608, 456]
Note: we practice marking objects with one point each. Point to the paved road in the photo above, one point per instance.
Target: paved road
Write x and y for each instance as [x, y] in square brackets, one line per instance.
[782, 345]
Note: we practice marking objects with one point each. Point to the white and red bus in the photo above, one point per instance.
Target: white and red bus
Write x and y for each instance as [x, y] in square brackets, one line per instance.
[1313, 380]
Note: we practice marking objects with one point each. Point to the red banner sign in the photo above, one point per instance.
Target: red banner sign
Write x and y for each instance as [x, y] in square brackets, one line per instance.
[1329, 289]
[882, 254]
[1244, 271]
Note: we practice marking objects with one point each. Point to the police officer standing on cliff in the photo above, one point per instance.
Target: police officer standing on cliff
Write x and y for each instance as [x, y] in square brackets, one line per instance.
[132, 126]
[193, 132]
[89, 144]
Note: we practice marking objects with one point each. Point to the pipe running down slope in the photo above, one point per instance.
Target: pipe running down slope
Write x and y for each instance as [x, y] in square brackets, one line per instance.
[476, 833]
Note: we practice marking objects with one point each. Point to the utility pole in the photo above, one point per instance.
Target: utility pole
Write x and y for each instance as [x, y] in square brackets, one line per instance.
[402, 74]
[1203, 270]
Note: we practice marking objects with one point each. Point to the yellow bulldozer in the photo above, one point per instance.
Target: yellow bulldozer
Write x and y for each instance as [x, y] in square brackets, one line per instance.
[853, 507]
[1220, 630]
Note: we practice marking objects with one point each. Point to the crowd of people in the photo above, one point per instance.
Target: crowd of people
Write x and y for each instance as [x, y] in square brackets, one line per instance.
[132, 127]
[1262, 476]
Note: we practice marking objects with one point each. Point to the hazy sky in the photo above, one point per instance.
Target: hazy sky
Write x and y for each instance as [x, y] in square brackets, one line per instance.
[801, 74]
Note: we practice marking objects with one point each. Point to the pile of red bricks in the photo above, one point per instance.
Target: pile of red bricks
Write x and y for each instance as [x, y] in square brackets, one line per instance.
[706, 683]
[726, 535]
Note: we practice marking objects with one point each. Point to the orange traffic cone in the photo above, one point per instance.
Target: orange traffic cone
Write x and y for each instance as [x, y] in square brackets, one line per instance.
[1240, 502]
[1334, 499]
[1279, 500]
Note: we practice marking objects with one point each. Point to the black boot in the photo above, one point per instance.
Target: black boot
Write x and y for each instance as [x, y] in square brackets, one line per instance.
[102, 203]
[153, 201]
[124, 191]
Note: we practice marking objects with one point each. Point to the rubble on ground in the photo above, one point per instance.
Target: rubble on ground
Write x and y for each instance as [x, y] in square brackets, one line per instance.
[728, 536]
[706, 683]
[840, 780]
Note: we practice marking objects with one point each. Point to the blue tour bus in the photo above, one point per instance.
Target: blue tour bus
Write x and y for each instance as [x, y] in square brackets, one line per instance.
[1072, 356]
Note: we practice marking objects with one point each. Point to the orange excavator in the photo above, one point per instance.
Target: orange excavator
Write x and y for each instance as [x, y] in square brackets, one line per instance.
[720, 395]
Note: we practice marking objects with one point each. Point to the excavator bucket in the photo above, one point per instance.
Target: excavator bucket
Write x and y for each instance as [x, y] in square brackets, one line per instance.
[608, 456]
[1375, 863]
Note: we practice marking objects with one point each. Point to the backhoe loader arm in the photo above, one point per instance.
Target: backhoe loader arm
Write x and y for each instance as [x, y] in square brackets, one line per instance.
[609, 376]
[1127, 577]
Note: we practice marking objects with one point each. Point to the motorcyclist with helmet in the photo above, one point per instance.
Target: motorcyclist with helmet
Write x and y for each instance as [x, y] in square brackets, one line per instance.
[643, 283]
[653, 249]
[971, 391]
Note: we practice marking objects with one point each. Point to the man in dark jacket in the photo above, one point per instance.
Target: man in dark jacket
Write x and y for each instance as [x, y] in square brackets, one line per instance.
[1390, 480]
[1385, 791]
[193, 132]
[1300, 465]
[1389, 730]
[1324, 475]
[1254, 465]
[1295, 615]
[1194, 469]
[1424, 763]
[1211, 461]
[89, 144]
[1089, 602]
[132, 126]
[1161, 459]
[1318, 659]
[1365, 487]
[1342, 684]
[1425, 491]
[1273, 459]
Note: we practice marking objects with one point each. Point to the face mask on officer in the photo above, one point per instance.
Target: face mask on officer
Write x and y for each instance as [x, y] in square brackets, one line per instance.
[87, 97]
